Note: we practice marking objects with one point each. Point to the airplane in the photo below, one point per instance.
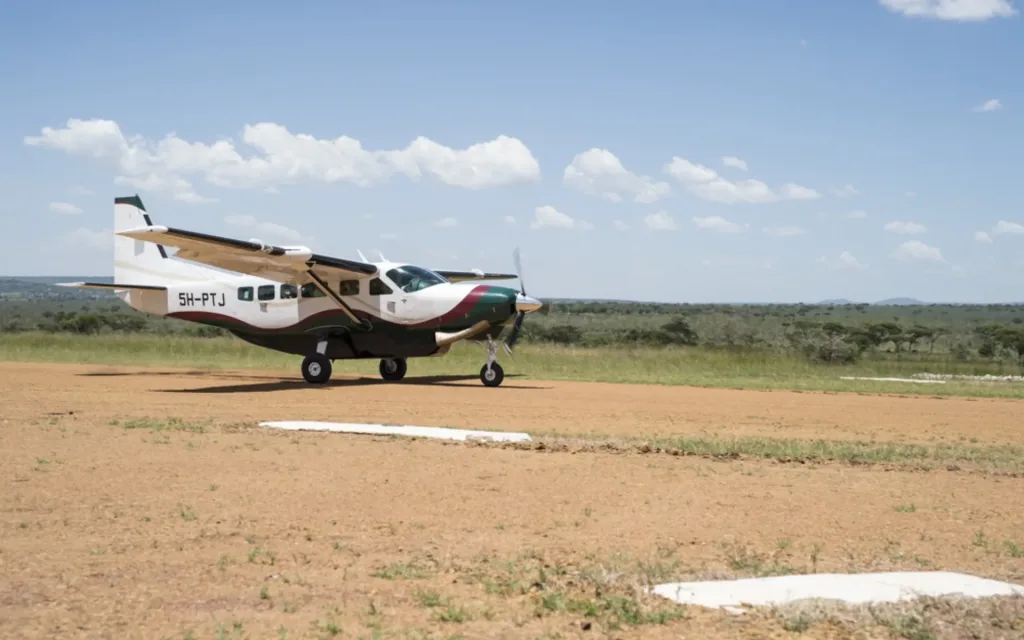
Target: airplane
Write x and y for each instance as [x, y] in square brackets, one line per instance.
[292, 300]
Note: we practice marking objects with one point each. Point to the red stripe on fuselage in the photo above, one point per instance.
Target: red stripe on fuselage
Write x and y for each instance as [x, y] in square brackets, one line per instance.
[461, 309]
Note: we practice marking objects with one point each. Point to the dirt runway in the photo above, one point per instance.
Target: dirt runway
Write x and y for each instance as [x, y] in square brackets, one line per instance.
[210, 525]
[520, 405]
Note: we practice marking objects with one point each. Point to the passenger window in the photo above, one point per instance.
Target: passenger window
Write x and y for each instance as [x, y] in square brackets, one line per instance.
[289, 292]
[378, 288]
[265, 292]
[311, 291]
[348, 287]
[245, 294]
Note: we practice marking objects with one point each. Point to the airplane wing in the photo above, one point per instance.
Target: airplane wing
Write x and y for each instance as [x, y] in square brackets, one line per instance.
[462, 276]
[284, 264]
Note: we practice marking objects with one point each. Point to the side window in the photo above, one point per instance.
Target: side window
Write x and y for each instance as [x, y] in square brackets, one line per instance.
[265, 292]
[311, 291]
[289, 292]
[349, 288]
[245, 294]
[378, 288]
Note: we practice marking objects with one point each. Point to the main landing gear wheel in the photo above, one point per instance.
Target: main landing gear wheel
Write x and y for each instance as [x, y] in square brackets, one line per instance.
[393, 369]
[316, 369]
[493, 375]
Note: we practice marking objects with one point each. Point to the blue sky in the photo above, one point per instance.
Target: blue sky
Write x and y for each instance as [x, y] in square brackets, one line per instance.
[709, 150]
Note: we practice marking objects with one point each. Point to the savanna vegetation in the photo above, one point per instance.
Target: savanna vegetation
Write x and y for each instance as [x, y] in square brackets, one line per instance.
[682, 343]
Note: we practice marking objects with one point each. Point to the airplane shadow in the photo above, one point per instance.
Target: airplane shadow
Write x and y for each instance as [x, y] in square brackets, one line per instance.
[290, 384]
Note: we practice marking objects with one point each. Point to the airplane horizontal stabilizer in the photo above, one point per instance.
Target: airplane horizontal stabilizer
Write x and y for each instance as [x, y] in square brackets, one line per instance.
[111, 286]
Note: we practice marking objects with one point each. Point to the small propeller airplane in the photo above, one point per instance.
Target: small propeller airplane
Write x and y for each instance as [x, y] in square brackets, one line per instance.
[292, 300]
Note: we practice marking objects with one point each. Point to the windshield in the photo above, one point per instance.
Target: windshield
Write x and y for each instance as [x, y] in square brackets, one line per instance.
[410, 278]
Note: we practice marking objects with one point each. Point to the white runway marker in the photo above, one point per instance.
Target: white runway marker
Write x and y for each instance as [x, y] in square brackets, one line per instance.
[862, 588]
[914, 380]
[442, 433]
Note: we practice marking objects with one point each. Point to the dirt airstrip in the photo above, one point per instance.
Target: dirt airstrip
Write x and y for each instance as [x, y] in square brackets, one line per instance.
[147, 503]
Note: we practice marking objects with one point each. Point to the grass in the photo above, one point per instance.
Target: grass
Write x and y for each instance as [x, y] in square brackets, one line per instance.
[952, 456]
[670, 366]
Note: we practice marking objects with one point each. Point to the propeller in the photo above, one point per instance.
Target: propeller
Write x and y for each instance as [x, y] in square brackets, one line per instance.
[520, 314]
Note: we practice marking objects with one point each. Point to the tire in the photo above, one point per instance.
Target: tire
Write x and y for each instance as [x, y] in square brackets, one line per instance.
[497, 374]
[316, 369]
[393, 369]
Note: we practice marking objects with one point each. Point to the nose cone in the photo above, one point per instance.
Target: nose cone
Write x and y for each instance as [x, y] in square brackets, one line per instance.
[527, 304]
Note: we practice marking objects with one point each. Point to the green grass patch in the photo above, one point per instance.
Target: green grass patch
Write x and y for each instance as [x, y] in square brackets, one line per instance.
[740, 369]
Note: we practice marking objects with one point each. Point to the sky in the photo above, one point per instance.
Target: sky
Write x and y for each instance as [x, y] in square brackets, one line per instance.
[698, 151]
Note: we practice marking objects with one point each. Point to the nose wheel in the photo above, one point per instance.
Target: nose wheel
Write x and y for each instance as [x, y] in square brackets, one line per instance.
[492, 374]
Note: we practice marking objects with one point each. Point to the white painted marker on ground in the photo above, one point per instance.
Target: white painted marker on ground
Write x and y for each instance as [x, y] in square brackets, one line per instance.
[442, 433]
[861, 588]
[914, 380]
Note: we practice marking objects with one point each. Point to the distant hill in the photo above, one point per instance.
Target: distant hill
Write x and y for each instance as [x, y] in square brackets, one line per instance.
[890, 302]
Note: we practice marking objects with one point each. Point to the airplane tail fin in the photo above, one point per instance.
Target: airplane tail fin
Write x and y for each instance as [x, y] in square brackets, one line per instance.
[137, 262]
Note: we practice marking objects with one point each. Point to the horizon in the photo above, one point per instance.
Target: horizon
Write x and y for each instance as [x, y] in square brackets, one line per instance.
[791, 160]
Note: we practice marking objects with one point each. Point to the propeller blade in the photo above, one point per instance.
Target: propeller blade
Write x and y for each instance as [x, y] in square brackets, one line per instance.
[519, 270]
[514, 335]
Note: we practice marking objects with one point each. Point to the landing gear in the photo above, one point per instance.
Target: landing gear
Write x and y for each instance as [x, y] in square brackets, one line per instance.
[492, 374]
[393, 369]
[316, 369]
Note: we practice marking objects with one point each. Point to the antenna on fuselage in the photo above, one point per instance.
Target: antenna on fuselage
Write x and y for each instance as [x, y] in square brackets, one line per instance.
[361, 256]
[382, 258]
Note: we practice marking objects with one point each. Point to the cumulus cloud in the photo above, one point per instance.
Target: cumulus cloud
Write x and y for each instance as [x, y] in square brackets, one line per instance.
[957, 10]
[989, 105]
[282, 157]
[898, 226]
[735, 163]
[65, 208]
[620, 225]
[510, 220]
[598, 172]
[272, 231]
[705, 183]
[917, 250]
[549, 217]
[718, 223]
[847, 191]
[1004, 226]
[846, 260]
[446, 223]
[983, 237]
[660, 221]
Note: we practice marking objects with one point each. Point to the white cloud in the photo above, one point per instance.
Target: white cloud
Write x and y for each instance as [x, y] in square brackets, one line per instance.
[621, 226]
[718, 223]
[897, 226]
[989, 105]
[846, 260]
[548, 216]
[1008, 227]
[784, 232]
[274, 232]
[847, 191]
[65, 208]
[735, 163]
[284, 158]
[917, 250]
[447, 223]
[981, 236]
[960, 10]
[705, 183]
[598, 172]
[510, 220]
[660, 221]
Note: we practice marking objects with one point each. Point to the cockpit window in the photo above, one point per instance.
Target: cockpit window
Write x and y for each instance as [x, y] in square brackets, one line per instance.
[410, 278]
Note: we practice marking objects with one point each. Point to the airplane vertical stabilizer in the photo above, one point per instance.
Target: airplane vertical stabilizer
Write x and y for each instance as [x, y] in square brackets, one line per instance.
[137, 262]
